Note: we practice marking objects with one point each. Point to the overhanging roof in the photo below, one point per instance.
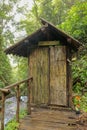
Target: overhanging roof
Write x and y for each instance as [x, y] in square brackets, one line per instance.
[47, 32]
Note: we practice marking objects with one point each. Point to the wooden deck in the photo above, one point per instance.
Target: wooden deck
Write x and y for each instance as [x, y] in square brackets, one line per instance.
[46, 119]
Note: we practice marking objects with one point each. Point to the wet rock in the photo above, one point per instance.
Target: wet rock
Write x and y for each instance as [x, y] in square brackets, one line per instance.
[23, 98]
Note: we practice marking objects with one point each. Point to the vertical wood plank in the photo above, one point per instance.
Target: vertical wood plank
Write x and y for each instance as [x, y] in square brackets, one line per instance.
[18, 103]
[69, 79]
[32, 73]
[2, 111]
[58, 75]
[49, 99]
[39, 69]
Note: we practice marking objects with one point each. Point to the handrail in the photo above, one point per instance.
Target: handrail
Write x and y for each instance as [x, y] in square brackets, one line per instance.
[18, 83]
[5, 91]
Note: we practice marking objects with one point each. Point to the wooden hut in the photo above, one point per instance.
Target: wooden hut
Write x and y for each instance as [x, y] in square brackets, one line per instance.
[49, 51]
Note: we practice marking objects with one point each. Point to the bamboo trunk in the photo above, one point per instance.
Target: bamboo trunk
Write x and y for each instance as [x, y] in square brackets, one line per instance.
[6, 91]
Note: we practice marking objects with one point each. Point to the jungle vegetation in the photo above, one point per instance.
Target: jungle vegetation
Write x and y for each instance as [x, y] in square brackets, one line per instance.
[69, 15]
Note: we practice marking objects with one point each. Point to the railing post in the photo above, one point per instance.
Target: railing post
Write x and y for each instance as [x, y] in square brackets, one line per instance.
[2, 111]
[18, 105]
[28, 98]
[6, 91]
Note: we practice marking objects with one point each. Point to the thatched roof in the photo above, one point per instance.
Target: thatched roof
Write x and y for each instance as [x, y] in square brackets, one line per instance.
[47, 32]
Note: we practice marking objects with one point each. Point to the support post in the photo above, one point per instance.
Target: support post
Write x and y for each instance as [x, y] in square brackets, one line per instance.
[18, 101]
[2, 111]
[69, 79]
[28, 98]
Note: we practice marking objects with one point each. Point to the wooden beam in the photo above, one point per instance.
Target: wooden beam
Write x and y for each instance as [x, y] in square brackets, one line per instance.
[18, 83]
[6, 91]
[49, 43]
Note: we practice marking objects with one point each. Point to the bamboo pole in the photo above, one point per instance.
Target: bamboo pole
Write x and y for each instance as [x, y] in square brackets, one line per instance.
[18, 83]
[18, 105]
[28, 100]
[6, 91]
[2, 111]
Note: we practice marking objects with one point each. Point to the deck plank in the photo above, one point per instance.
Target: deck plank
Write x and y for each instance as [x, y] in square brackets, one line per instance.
[46, 119]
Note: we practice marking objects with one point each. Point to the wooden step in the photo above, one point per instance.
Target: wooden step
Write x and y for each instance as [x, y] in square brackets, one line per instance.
[61, 108]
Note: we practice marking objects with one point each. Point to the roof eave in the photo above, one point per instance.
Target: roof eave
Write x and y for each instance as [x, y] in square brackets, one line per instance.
[70, 39]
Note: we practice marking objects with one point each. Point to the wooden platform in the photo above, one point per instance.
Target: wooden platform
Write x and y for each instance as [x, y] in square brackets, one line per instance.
[46, 119]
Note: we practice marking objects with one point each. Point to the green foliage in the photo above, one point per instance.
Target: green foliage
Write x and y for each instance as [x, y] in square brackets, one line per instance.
[8, 24]
[20, 69]
[76, 21]
[80, 102]
[23, 113]
[69, 15]
[13, 125]
[83, 103]
[5, 70]
[61, 8]
[54, 11]
[76, 25]
[30, 23]
[46, 10]
[79, 72]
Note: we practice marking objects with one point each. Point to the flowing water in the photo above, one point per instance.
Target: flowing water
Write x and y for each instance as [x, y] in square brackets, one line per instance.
[11, 105]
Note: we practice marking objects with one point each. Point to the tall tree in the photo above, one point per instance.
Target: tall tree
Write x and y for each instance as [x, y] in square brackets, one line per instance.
[5, 68]
[8, 24]
[54, 11]
[76, 21]
[76, 25]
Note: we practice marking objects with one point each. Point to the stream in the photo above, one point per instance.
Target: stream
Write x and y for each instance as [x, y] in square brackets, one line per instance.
[10, 107]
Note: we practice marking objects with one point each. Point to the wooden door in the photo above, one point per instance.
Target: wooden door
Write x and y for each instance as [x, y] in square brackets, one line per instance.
[58, 76]
[39, 69]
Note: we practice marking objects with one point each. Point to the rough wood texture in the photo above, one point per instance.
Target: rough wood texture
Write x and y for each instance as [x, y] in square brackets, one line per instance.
[18, 83]
[69, 78]
[49, 43]
[38, 68]
[4, 93]
[52, 76]
[45, 119]
[2, 111]
[47, 32]
[58, 75]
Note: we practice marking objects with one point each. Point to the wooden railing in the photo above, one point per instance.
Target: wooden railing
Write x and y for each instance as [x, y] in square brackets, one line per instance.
[7, 90]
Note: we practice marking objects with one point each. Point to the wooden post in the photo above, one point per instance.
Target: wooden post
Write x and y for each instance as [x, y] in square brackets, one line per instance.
[69, 78]
[28, 99]
[2, 111]
[49, 99]
[18, 101]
